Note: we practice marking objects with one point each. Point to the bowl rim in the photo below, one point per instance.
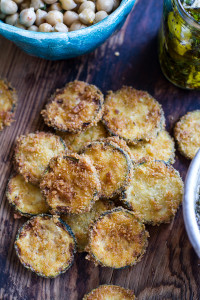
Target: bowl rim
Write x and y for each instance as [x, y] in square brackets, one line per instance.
[192, 182]
[124, 8]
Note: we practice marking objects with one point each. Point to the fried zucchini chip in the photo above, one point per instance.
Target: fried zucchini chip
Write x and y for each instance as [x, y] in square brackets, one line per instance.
[117, 239]
[155, 192]
[161, 148]
[113, 166]
[74, 108]
[121, 143]
[110, 292]
[46, 246]
[133, 115]
[33, 153]
[25, 197]
[70, 184]
[80, 223]
[76, 141]
[187, 134]
[8, 100]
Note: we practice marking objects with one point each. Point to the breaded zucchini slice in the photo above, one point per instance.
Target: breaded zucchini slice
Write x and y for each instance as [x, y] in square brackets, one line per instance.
[121, 143]
[8, 101]
[110, 292]
[80, 223]
[70, 184]
[117, 239]
[155, 192]
[113, 166]
[25, 197]
[161, 148]
[133, 115]
[187, 134]
[46, 245]
[76, 141]
[33, 153]
[74, 108]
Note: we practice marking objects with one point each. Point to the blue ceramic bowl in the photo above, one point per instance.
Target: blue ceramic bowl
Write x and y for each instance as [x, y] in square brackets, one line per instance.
[55, 46]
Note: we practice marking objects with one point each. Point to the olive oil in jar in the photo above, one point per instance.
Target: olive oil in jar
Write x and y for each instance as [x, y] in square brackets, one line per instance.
[179, 43]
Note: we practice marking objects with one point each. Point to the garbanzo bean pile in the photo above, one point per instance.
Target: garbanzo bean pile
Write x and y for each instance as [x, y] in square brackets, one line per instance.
[93, 184]
[55, 16]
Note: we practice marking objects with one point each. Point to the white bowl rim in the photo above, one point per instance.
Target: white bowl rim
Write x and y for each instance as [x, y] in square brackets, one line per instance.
[54, 35]
[192, 182]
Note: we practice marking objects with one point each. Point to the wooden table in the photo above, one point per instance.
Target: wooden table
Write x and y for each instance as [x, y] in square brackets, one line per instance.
[170, 268]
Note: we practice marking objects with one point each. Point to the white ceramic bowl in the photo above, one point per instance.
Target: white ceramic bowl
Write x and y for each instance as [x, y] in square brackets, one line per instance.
[191, 195]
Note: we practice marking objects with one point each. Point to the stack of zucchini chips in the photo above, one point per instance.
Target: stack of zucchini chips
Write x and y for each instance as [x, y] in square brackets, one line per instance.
[94, 184]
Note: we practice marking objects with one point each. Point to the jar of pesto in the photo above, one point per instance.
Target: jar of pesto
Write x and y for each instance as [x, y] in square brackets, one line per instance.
[179, 43]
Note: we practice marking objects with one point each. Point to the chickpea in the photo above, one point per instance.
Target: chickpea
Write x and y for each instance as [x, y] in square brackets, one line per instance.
[68, 4]
[45, 27]
[100, 15]
[87, 4]
[106, 5]
[12, 19]
[36, 4]
[53, 17]
[8, 7]
[76, 26]
[87, 16]
[60, 27]
[70, 17]
[40, 17]
[27, 17]
[55, 6]
[33, 28]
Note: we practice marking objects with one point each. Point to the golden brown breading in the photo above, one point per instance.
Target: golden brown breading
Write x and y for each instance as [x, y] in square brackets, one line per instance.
[8, 101]
[110, 292]
[80, 223]
[155, 192]
[121, 143]
[74, 108]
[187, 134]
[117, 239]
[33, 153]
[71, 184]
[161, 148]
[113, 166]
[46, 246]
[76, 141]
[133, 115]
[25, 197]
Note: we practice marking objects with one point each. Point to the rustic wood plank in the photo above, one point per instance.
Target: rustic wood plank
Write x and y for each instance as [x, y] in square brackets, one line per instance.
[170, 268]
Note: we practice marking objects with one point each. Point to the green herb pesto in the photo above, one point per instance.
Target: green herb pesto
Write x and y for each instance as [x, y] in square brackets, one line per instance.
[197, 209]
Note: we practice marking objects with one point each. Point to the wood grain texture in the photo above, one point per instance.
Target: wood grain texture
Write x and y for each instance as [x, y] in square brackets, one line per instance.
[170, 268]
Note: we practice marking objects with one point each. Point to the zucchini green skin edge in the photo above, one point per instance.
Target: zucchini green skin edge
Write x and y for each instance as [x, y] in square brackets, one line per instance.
[139, 256]
[129, 164]
[135, 141]
[129, 206]
[67, 228]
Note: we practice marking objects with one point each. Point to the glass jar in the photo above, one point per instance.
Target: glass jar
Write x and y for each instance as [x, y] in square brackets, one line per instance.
[179, 46]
